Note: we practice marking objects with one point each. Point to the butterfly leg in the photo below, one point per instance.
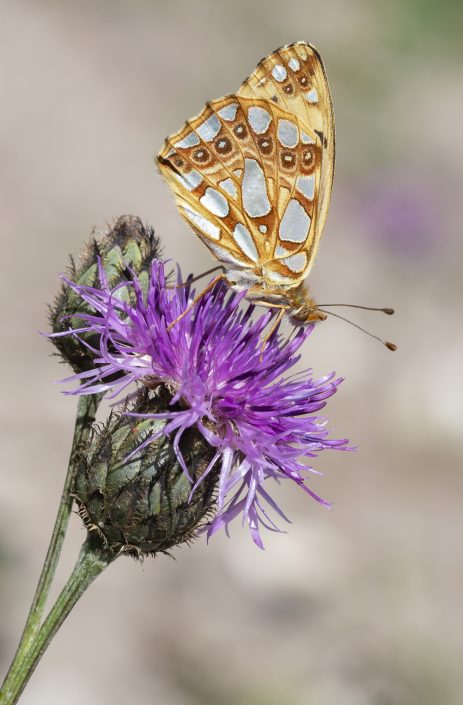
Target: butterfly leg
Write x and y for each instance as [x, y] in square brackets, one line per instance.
[275, 325]
[195, 279]
[211, 284]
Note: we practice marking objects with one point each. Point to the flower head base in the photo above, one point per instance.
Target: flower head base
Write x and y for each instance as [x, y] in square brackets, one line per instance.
[261, 425]
[140, 503]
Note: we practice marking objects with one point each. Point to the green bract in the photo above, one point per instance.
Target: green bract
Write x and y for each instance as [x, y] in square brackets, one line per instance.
[142, 504]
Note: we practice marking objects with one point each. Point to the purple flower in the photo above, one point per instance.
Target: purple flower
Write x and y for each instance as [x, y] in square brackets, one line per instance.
[261, 425]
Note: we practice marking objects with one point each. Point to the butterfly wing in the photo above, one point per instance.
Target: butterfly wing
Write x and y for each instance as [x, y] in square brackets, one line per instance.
[249, 173]
[294, 77]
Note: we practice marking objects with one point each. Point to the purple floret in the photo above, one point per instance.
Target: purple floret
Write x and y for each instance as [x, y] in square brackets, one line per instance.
[262, 425]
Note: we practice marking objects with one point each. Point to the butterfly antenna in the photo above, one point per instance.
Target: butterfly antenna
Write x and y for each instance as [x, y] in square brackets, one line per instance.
[389, 346]
[389, 311]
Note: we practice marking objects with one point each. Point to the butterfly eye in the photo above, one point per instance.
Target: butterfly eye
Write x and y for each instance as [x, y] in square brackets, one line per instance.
[288, 88]
[303, 81]
[240, 131]
[223, 145]
[265, 145]
[201, 155]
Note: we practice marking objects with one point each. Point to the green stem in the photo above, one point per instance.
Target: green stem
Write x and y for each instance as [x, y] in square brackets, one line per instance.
[86, 410]
[93, 559]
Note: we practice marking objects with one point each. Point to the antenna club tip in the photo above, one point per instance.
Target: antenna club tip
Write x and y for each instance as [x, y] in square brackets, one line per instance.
[390, 346]
[389, 311]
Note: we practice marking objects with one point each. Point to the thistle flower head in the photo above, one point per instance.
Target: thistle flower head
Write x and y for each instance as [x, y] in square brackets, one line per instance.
[260, 421]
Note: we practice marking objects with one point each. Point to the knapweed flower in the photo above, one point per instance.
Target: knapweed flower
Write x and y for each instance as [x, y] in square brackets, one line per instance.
[261, 424]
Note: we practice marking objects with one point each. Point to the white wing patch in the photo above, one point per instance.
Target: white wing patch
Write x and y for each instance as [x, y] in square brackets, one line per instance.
[202, 223]
[215, 202]
[307, 139]
[243, 239]
[259, 119]
[224, 255]
[209, 129]
[279, 73]
[229, 186]
[254, 190]
[288, 134]
[281, 251]
[312, 96]
[276, 277]
[306, 186]
[295, 223]
[191, 180]
[296, 263]
[190, 140]
[228, 112]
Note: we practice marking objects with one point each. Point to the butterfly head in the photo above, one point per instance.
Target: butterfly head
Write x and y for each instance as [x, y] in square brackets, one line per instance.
[304, 310]
[306, 314]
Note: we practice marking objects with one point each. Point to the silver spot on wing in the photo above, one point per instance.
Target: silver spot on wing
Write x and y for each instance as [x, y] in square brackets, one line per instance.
[215, 202]
[254, 190]
[295, 224]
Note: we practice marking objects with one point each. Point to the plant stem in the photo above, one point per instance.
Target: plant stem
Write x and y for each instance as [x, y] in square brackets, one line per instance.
[86, 410]
[93, 559]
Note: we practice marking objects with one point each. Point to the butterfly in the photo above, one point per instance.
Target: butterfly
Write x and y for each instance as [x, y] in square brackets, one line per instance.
[252, 174]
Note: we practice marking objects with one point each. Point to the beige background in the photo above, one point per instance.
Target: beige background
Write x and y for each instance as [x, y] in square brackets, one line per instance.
[357, 606]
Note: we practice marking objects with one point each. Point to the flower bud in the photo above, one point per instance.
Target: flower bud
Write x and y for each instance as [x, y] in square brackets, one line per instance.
[141, 502]
[126, 244]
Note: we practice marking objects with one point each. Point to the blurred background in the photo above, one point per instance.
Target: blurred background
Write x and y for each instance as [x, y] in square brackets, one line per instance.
[357, 606]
